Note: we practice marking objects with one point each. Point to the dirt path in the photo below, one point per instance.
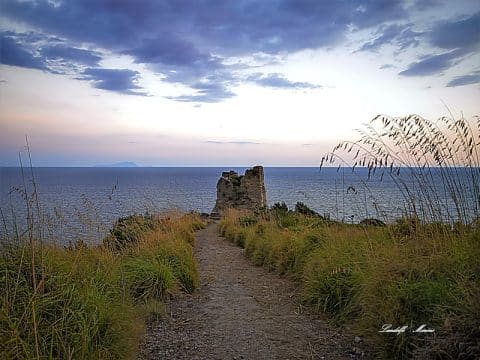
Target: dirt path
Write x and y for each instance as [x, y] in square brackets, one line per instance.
[241, 312]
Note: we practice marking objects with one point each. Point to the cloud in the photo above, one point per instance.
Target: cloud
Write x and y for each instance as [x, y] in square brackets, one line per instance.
[473, 78]
[13, 54]
[118, 80]
[423, 5]
[51, 54]
[461, 37]
[278, 81]
[386, 66]
[168, 49]
[186, 41]
[191, 41]
[207, 95]
[70, 54]
[463, 33]
[400, 35]
[433, 64]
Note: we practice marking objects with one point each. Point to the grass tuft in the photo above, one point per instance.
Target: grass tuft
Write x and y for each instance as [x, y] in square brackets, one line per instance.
[92, 301]
[406, 273]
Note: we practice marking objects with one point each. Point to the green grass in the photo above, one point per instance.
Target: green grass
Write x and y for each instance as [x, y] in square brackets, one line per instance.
[367, 276]
[92, 302]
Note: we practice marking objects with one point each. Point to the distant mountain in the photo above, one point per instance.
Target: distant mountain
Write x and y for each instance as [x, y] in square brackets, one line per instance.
[120, 164]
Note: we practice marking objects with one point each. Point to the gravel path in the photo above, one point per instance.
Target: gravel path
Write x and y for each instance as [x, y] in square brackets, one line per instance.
[241, 312]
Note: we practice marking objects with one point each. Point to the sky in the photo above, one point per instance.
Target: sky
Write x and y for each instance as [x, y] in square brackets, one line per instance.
[224, 83]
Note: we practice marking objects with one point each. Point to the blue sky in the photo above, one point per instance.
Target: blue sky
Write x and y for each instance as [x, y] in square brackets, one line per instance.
[224, 83]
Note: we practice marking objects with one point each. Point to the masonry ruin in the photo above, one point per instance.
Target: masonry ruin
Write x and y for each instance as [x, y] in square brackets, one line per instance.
[245, 192]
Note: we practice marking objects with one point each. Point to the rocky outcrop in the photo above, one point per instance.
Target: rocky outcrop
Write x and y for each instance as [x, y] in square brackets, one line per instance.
[241, 191]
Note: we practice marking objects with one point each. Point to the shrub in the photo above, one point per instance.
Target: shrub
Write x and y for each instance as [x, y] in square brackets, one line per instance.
[128, 230]
[303, 209]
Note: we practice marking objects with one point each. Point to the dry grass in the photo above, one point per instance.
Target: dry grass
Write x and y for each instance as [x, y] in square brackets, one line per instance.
[92, 301]
[367, 276]
[434, 164]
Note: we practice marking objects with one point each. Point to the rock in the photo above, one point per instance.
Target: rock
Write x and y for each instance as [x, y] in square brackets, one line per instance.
[246, 192]
[358, 339]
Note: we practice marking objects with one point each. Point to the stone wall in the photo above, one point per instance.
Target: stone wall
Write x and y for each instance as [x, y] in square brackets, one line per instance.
[241, 191]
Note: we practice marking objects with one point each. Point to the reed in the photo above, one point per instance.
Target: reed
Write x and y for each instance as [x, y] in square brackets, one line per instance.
[434, 164]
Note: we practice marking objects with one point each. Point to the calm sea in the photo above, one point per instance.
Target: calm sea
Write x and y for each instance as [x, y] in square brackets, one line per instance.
[84, 202]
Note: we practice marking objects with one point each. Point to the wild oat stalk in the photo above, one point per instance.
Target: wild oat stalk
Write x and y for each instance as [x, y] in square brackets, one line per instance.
[434, 164]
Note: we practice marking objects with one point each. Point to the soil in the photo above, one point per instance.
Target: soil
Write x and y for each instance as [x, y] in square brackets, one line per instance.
[242, 312]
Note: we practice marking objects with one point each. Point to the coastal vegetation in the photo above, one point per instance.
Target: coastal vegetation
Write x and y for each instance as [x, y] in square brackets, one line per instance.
[85, 302]
[435, 165]
[365, 276]
[389, 280]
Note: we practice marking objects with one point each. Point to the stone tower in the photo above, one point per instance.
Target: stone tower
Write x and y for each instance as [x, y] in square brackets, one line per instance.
[241, 192]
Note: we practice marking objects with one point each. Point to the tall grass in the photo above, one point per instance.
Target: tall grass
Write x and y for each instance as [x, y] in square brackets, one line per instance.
[85, 302]
[365, 276]
[434, 164]
[422, 268]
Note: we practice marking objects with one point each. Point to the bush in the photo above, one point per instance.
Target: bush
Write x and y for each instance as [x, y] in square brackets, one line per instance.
[303, 209]
[127, 231]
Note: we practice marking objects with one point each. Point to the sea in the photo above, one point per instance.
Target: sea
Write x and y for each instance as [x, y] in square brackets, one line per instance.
[83, 203]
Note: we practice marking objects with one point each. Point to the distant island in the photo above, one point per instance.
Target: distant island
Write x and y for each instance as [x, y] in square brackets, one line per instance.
[120, 164]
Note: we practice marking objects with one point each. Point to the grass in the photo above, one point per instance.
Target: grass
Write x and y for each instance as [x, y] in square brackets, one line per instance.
[80, 302]
[365, 276]
[423, 268]
[435, 165]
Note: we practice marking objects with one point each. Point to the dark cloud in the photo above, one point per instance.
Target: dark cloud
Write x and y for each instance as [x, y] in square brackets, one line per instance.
[118, 80]
[433, 64]
[12, 53]
[463, 33]
[387, 35]
[399, 35]
[54, 58]
[47, 53]
[278, 81]
[461, 36]
[473, 78]
[185, 41]
[70, 54]
[210, 93]
[168, 49]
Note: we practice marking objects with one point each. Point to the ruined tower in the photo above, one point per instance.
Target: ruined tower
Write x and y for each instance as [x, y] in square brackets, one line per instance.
[241, 191]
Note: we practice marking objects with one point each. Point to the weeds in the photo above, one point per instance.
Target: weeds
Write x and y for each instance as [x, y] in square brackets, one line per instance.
[366, 276]
[89, 301]
[420, 269]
